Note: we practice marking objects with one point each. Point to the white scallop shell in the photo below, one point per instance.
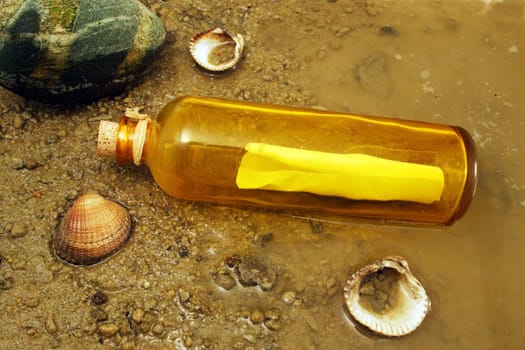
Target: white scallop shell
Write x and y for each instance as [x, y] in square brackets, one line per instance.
[203, 45]
[410, 308]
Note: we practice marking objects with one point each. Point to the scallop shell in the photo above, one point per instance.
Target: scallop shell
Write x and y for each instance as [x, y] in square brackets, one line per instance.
[400, 309]
[212, 49]
[74, 51]
[93, 229]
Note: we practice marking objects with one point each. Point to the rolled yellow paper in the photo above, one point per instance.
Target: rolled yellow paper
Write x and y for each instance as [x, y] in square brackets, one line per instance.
[353, 175]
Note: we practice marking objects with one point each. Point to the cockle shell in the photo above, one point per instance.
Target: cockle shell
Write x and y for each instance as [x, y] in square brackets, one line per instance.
[75, 50]
[93, 229]
[386, 297]
[216, 49]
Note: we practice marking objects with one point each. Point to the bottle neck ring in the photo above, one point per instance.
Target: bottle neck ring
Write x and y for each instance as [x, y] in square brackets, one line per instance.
[131, 138]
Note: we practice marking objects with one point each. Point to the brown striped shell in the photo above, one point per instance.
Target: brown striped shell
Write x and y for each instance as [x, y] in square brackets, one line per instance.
[93, 229]
[385, 297]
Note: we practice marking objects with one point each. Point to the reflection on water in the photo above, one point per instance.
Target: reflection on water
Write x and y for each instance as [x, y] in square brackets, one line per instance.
[451, 62]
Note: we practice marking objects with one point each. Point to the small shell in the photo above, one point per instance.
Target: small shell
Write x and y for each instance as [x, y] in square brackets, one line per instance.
[93, 229]
[386, 297]
[75, 51]
[208, 49]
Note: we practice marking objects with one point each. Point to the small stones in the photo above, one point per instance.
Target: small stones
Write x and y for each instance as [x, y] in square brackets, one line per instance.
[272, 320]
[6, 282]
[254, 272]
[250, 271]
[107, 330]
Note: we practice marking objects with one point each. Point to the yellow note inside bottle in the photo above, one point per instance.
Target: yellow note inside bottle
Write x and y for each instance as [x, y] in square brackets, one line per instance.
[353, 175]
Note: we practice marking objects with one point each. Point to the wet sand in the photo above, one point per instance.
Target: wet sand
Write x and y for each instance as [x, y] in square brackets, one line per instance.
[172, 286]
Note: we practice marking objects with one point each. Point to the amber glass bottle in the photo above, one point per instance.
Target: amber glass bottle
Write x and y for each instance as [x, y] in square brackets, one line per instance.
[310, 162]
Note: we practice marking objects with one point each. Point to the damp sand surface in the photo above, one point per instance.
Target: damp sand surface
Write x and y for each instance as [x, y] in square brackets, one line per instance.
[203, 276]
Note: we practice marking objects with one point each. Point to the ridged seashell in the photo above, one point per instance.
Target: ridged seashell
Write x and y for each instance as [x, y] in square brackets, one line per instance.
[216, 49]
[386, 297]
[71, 51]
[93, 229]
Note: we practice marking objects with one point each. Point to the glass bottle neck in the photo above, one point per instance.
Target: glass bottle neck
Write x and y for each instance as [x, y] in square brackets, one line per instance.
[131, 140]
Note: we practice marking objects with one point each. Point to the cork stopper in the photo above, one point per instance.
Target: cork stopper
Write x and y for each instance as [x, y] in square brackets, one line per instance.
[107, 138]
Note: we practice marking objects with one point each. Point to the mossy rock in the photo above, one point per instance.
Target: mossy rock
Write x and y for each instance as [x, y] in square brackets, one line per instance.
[75, 50]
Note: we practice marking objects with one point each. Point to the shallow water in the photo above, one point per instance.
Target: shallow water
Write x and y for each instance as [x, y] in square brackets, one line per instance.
[450, 62]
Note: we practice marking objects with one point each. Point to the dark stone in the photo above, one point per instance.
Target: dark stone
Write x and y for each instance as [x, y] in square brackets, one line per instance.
[183, 251]
[6, 282]
[99, 298]
[388, 31]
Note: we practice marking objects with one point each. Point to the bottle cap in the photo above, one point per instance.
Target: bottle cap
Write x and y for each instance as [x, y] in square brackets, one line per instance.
[107, 138]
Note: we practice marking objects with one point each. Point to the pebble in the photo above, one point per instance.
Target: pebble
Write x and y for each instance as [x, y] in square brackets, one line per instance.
[99, 315]
[138, 315]
[188, 342]
[18, 230]
[107, 329]
[388, 31]
[50, 325]
[157, 329]
[31, 331]
[256, 316]
[129, 345]
[18, 122]
[184, 296]
[32, 302]
[17, 163]
[289, 297]
[224, 280]
[125, 328]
